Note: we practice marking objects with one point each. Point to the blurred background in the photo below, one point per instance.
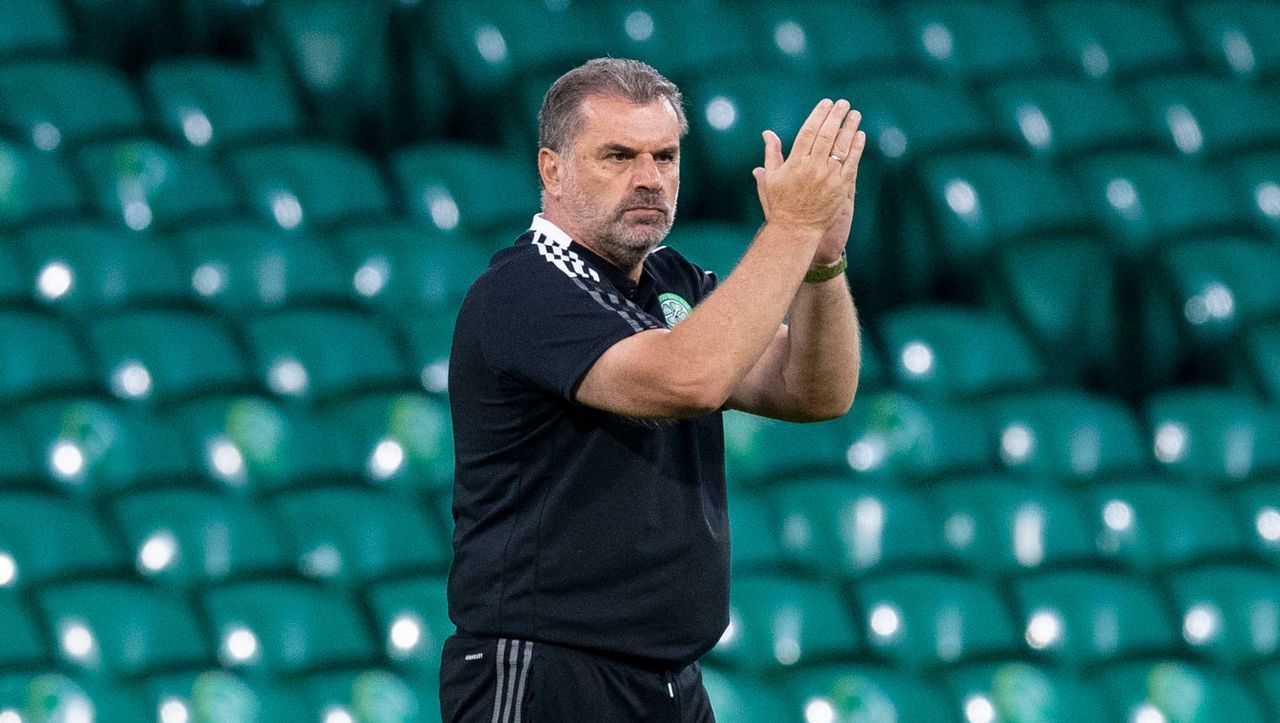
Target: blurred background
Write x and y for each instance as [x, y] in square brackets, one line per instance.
[234, 233]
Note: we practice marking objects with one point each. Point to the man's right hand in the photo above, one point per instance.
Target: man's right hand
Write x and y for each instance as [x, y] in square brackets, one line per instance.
[806, 190]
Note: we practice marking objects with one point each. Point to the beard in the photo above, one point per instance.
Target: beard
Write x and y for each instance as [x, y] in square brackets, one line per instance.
[623, 234]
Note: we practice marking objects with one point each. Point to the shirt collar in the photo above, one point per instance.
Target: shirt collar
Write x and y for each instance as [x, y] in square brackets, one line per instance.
[556, 235]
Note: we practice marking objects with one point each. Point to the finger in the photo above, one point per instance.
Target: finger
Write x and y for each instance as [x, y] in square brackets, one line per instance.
[844, 139]
[849, 171]
[809, 131]
[764, 200]
[772, 150]
[825, 140]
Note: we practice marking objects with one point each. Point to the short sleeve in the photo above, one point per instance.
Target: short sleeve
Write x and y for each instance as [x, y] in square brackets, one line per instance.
[548, 325]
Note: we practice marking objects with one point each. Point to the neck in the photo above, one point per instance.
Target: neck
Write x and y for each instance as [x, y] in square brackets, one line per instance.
[631, 266]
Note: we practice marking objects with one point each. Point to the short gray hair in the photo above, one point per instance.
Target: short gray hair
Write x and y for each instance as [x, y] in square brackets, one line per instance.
[560, 118]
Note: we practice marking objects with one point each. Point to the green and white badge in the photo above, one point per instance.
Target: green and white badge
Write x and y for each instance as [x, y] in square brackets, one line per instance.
[674, 308]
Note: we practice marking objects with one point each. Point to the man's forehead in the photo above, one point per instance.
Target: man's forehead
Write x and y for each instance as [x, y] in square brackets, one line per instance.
[611, 119]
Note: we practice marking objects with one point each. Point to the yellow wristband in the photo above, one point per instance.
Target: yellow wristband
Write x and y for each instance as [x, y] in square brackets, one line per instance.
[819, 274]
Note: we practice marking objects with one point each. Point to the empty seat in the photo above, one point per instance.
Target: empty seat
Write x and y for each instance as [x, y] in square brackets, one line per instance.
[45, 538]
[999, 526]
[776, 622]
[412, 617]
[1214, 437]
[89, 445]
[840, 529]
[44, 695]
[429, 337]
[743, 698]
[21, 644]
[1229, 612]
[956, 352]
[754, 533]
[252, 444]
[683, 42]
[216, 694]
[190, 537]
[1240, 36]
[1255, 184]
[292, 184]
[1066, 436]
[1199, 115]
[1078, 617]
[34, 185]
[713, 246]
[450, 187]
[40, 357]
[1043, 115]
[1018, 691]
[914, 439]
[146, 184]
[242, 267]
[404, 439]
[33, 26]
[1260, 359]
[759, 450]
[1177, 690]
[163, 355]
[286, 627]
[212, 103]
[409, 268]
[15, 283]
[1142, 199]
[899, 128]
[1256, 508]
[1117, 39]
[972, 40]
[923, 619]
[55, 102]
[354, 535]
[854, 692]
[121, 628]
[814, 37]
[370, 694]
[295, 354]
[17, 463]
[81, 269]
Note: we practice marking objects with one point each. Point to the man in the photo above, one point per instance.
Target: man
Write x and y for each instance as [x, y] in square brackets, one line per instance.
[588, 372]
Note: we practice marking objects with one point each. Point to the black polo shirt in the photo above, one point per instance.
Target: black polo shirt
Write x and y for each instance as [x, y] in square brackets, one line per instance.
[572, 525]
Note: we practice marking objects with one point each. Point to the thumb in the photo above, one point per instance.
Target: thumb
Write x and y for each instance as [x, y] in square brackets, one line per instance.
[758, 173]
[772, 150]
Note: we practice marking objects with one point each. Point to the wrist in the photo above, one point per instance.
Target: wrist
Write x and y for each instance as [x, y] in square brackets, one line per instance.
[822, 272]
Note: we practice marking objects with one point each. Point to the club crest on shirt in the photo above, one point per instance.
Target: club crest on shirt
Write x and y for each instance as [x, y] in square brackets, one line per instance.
[674, 308]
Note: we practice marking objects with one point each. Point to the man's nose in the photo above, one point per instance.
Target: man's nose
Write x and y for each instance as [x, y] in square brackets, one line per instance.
[645, 173]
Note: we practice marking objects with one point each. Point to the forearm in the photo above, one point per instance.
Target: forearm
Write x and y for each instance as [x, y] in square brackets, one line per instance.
[823, 350]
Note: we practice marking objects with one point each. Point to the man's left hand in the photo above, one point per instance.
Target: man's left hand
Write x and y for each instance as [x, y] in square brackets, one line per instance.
[836, 237]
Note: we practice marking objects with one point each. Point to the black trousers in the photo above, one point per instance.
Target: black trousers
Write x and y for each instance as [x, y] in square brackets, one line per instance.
[483, 680]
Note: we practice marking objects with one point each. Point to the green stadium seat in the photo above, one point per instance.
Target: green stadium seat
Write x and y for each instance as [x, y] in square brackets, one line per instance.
[1015, 690]
[292, 184]
[46, 538]
[21, 645]
[972, 40]
[1260, 359]
[1199, 115]
[33, 26]
[920, 620]
[254, 445]
[57, 102]
[279, 628]
[145, 184]
[837, 529]
[1176, 690]
[1065, 293]
[1115, 39]
[34, 185]
[742, 698]
[121, 628]
[82, 269]
[956, 352]
[242, 267]
[1238, 36]
[17, 466]
[85, 444]
[1213, 437]
[863, 692]
[916, 439]
[450, 187]
[15, 282]
[713, 246]
[409, 268]
[1043, 116]
[1256, 507]
[753, 531]
[165, 354]
[1080, 617]
[1142, 199]
[373, 695]
[1002, 527]
[814, 37]
[412, 616]
[777, 622]
[41, 357]
[1144, 524]
[1066, 436]
[217, 696]
[211, 103]
[760, 451]
[429, 337]
[45, 696]
[1255, 182]
[190, 537]
[900, 119]
[1229, 612]
[684, 42]
[355, 535]
[294, 354]
[404, 438]
[122, 32]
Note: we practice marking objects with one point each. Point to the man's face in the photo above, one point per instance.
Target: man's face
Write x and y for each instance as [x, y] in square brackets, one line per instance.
[621, 177]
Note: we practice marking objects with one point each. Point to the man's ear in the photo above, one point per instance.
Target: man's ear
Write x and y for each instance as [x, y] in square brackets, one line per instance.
[550, 169]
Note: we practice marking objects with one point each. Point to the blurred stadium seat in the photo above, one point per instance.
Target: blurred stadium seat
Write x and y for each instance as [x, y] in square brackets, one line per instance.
[208, 103]
[33, 27]
[35, 185]
[53, 103]
[972, 40]
[291, 184]
[146, 184]
[1114, 39]
[1017, 690]
[1239, 36]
